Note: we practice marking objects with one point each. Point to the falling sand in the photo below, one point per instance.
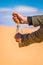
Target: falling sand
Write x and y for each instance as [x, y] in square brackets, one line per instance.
[11, 54]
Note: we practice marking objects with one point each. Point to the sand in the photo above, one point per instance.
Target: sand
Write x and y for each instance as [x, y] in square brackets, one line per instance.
[11, 54]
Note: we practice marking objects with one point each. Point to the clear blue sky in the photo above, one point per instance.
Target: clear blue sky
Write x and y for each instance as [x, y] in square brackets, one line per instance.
[12, 3]
[5, 15]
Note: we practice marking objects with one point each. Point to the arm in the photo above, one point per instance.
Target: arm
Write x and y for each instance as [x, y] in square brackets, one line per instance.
[35, 20]
[35, 37]
[31, 20]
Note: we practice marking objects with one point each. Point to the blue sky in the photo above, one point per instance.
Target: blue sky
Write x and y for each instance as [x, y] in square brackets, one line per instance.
[24, 7]
[12, 3]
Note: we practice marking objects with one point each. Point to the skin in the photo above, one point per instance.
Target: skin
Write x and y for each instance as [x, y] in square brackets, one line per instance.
[22, 20]
[18, 40]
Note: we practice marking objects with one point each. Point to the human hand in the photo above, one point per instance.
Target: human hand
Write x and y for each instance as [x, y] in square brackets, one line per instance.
[18, 37]
[18, 17]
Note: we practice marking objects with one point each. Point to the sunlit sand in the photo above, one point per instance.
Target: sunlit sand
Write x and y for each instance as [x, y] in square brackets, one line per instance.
[11, 54]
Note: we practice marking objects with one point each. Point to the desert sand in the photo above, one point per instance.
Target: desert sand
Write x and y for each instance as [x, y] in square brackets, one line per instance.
[11, 54]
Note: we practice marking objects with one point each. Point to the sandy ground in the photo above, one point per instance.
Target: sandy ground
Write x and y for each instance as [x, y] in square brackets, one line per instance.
[11, 54]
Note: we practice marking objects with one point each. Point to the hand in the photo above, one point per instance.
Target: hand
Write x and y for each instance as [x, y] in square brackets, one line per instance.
[20, 18]
[18, 37]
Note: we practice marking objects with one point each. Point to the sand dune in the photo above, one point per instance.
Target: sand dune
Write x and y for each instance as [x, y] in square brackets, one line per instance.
[11, 54]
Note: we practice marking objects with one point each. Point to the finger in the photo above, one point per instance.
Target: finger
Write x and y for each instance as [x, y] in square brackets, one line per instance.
[14, 20]
[18, 35]
[14, 14]
[22, 22]
[18, 40]
[19, 16]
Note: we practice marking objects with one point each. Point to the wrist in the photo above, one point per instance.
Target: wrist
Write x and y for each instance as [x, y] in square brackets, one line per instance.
[29, 19]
